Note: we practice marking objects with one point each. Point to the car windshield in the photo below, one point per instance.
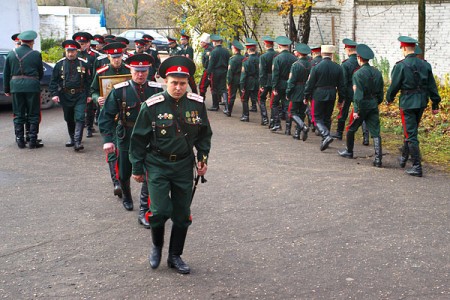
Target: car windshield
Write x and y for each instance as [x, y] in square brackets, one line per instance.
[2, 61]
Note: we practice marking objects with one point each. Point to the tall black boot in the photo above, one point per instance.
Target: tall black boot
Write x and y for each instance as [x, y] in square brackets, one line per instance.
[253, 108]
[297, 131]
[33, 136]
[378, 152]
[79, 126]
[405, 154]
[215, 102]
[276, 119]
[158, 242]
[127, 200]
[301, 126]
[348, 153]
[176, 246]
[143, 205]
[264, 118]
[326, 138]
[416, 169]
[287, 130]
[339, 131]
[71, 131]
[365, 131]
[19, 132]
[225, 102]
[245, 112]
[114, 178]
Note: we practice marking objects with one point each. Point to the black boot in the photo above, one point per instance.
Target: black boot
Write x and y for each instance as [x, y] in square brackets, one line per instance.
[378, 152]
[326, 138]
[158, 242]
[339, 130]
[71, 131]
[245, 112]
[114, 178]
[225, 102]
[177, 239]
[89, 132]
[348, 153]
[127, 200]
[79, 126]
[416, 169]
[365, 134]
[297, 131]
[287, 131]
[337, 135]
[405, 154]
[33, 136]
[215, 104]
[276, 120]
[19, 131]
[264, 118]
[143, 206]
[253, 108]
[301, 126]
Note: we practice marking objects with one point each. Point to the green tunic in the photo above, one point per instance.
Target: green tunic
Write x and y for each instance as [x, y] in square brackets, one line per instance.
[249, 75]
[297, 79]
[107, 70]
[177, 50]
[234, 69]
[280, 70]
[166, 130]
[349, 66]
[265, 68]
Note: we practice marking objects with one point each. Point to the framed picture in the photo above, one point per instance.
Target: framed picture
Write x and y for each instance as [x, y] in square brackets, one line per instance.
[107, 83]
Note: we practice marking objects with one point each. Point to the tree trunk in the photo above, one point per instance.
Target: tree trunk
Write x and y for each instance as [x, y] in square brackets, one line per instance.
[304, 26]
[422, 23]
[292, 30]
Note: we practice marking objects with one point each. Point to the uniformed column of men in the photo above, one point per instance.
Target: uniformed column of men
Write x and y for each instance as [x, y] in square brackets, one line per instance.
[149, 134]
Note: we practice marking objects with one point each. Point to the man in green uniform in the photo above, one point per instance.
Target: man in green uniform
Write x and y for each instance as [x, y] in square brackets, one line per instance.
[233, 76]
[324, 79]
[265, 79]
[316, 56]
[150, 49]
[280, 74]
[123, 104]
[217, 71]
[295, 91]
[188, 51]
[249, 78]
[414, 78]
[205, 43]
[22, 73]
[139, 46]
[69, 86]
[368, 94]
[115, 67]
[84, 39]
[174, 48]
[169, 125]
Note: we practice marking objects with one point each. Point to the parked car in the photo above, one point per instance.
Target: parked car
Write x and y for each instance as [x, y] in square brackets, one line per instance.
[161, 43]
[46, 99]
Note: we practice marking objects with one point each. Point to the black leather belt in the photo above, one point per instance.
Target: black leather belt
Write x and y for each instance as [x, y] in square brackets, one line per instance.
[127, 123]
[24, 77]
[73, 91]
[170, 157]
[408, 92]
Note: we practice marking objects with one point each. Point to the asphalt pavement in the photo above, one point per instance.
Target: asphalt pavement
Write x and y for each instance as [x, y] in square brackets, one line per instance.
[277, 219]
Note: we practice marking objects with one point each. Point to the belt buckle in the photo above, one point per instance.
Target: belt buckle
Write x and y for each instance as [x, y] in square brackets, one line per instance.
[72, 91]
[172, 157]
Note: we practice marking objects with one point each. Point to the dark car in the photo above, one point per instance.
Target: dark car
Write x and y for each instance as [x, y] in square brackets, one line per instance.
[46, 99]
[159, 41]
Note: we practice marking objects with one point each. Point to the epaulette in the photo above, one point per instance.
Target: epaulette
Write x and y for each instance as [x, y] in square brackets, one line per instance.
[399, 61]
[245, 58]
[102, 69]
[154, 84]
[344, 60]
[154, 49]
[61, 59]
[83, 60]
[153, 100]
[102, 56]
[121, 85]
[195, 97]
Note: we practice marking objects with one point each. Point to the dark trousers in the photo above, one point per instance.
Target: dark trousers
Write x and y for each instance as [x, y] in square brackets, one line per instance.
[322, 113]
[410, 120]
[372, 119]
[204, 83]
[26, 108]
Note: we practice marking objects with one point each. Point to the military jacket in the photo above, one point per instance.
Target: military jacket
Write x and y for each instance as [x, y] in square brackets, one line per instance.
[205, 56]
[107, 70]
[70, 75]
[234, 69]
[323, 81]
[170, 127]
[90, 58]
[368, 88]
[297, 79]
[176, 51]
[121, 109]
[316, 60]
[188, 51]
[154, 53]
[100, 61]
[265, 68]
[23, 70]
[218, 60]
[280, 69]
[349, 66]
[414, 78]
[249, 74]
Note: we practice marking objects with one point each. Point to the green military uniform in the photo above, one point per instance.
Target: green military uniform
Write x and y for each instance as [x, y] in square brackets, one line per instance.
[249, 79]
[295, 91]
[234, 77]
[414, 78]
[217, 71]
[22, 73]
[70, 81]
[188, 51]
[204, 81]
[152, 51]
[162, 142]
[174, 48]
[368, 94]
[265, 79]
[280, 74]
[321, 86]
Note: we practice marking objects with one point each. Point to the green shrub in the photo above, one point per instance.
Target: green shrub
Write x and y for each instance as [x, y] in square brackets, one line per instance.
[49, 43]
[53, 54]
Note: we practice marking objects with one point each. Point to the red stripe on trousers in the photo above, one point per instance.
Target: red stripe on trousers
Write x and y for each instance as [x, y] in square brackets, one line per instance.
[405, 132]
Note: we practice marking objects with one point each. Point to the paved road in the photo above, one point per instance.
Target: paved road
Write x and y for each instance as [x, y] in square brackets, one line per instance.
[277, 219]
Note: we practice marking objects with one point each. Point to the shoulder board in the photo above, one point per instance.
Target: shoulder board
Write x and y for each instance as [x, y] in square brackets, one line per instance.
[195, 97]
[121, 85]
[102, 56]
[61, 59]
[83, 60]
[154, 84]
[245, 58]
[102, 69]
[154, 49]
[399, 61]
[344, 60]
[154, 99]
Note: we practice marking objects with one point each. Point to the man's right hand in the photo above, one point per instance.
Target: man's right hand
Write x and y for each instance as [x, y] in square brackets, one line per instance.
[101, 101]
[55, 99]
[138, 178]
[109, 148]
